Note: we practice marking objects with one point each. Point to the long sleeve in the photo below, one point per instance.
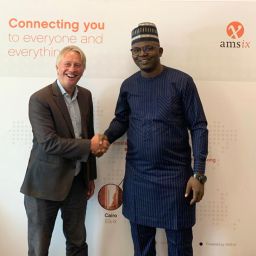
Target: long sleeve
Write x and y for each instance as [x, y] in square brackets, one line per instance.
[49, 140]
[120, 123]
[197, 124]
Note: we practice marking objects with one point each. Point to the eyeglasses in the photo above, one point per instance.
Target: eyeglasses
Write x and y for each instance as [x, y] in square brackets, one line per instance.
[146, 49]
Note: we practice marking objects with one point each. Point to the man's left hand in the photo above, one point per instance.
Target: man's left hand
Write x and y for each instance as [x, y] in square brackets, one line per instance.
[90, 191]
[197, 188]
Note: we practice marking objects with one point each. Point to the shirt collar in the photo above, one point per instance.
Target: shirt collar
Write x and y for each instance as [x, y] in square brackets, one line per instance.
[63, 91]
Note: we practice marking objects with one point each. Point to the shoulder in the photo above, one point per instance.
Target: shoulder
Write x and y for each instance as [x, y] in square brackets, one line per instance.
[176, 73]
[131, 80]
[179, 78]
[44, 92]
[83, 91]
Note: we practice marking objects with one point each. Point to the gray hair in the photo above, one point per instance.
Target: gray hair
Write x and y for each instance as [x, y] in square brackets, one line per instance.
[71, 48]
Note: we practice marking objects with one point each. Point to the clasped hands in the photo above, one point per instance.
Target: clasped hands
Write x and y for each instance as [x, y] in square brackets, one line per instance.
[99, 144]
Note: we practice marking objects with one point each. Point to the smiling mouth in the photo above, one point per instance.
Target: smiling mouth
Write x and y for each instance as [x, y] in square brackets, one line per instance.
[71, 75]
[144, 61]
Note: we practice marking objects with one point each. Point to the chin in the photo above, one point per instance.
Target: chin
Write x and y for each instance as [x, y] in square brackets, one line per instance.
[147, 69]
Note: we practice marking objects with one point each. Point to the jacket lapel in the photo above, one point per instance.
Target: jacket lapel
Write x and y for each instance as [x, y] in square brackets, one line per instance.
[58, 97]
[83, 106]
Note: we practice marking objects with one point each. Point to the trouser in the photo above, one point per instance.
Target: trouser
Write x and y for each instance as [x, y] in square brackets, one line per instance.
[42, 214]
[179, 241]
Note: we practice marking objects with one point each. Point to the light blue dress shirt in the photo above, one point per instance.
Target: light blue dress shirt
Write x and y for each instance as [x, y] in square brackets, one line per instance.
[74, 112]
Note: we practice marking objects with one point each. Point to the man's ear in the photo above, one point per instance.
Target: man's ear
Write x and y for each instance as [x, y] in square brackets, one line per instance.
[161, 50]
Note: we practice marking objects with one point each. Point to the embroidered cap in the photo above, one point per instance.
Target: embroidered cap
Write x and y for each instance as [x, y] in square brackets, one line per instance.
[145, 31]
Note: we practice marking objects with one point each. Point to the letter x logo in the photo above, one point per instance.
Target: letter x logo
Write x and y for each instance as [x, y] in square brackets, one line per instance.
[235, 29]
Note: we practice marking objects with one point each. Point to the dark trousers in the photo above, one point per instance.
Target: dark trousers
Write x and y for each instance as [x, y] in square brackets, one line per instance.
[179, 241]
[42, 214]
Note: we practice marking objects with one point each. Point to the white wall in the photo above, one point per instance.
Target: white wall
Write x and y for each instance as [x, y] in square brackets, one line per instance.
[191, 33]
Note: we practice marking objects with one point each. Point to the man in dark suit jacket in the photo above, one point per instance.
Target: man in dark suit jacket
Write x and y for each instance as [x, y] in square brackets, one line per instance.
[62, 166]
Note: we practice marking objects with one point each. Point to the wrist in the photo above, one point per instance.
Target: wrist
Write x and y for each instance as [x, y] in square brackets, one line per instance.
[200, 176]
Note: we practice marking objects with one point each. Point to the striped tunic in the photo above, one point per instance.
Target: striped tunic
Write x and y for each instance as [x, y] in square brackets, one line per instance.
[158, 114]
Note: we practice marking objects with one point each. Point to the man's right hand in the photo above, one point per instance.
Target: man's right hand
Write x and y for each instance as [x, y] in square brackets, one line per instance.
[99, 145]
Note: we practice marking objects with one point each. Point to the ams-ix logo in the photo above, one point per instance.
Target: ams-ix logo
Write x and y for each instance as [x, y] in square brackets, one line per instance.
[235, 31]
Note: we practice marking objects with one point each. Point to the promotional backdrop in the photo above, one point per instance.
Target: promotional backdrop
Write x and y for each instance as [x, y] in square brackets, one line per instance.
[213, 41]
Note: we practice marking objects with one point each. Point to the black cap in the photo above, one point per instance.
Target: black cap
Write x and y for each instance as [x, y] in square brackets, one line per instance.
[145, 31]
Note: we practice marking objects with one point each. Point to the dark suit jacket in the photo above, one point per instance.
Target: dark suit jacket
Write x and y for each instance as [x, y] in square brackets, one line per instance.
[55, 150]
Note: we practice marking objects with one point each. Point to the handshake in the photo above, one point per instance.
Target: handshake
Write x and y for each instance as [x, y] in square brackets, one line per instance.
[99, 144]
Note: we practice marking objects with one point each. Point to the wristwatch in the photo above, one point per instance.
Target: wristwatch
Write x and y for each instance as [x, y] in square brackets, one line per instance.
[200, 177]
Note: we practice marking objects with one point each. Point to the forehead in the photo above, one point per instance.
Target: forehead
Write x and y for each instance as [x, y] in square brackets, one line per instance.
[144, 43]
[71, 55]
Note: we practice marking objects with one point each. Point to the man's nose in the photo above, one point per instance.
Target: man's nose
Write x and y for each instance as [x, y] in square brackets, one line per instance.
[142, 52]
[72, 67]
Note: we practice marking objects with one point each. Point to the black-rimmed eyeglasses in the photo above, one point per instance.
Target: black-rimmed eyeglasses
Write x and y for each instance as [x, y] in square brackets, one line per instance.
[145, 49]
